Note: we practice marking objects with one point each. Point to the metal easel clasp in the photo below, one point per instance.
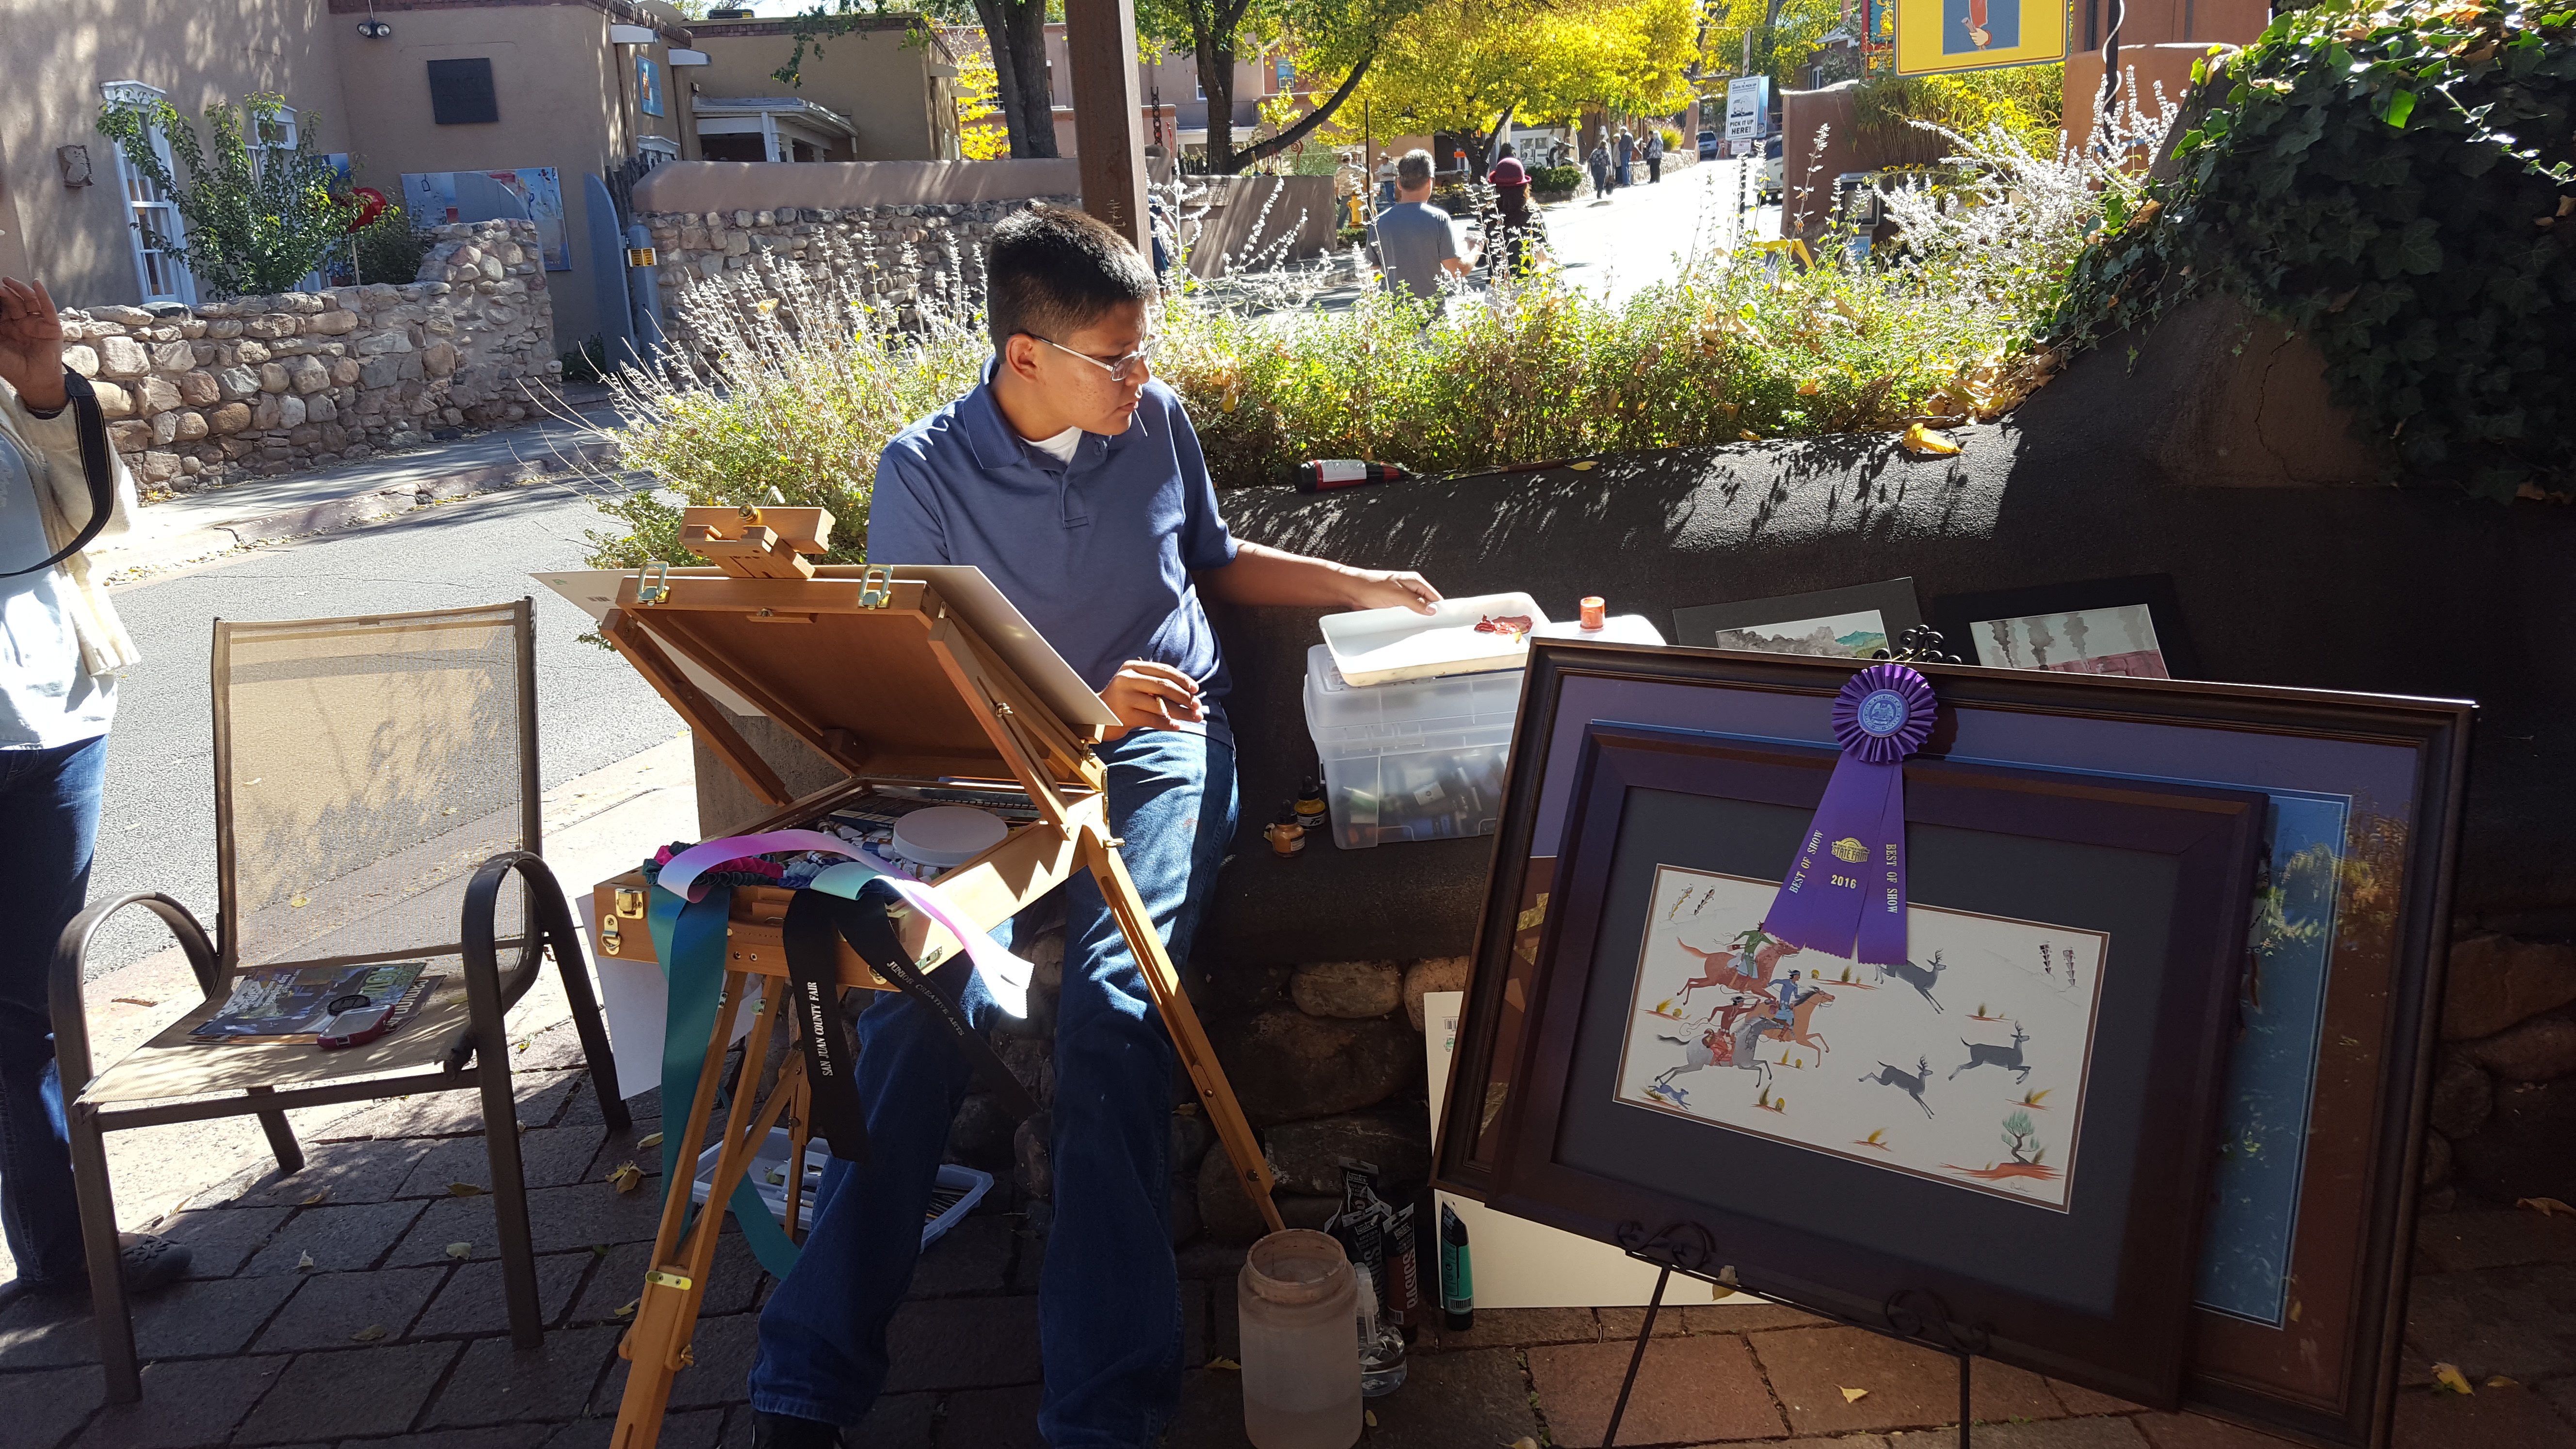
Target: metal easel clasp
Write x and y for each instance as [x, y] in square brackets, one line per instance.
[654, 584]
[876, 587]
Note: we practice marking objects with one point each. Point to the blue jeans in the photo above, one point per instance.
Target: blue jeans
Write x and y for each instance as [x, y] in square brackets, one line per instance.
[1109, 1306]
[48, 827]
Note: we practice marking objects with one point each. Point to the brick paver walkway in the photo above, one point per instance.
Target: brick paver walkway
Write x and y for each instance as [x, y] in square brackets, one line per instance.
[388, 1342]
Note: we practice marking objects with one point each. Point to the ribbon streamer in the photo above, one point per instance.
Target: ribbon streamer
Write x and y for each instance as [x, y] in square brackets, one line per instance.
[1848, 885]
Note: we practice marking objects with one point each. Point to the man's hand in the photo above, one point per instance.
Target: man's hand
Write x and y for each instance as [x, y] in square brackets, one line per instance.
[31, 344]
[1147, 695]
[1386, 589]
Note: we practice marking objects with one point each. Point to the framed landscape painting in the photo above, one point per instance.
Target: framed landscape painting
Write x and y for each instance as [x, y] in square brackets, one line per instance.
[1849, 623]
[2297, 1293]
[2130, 627]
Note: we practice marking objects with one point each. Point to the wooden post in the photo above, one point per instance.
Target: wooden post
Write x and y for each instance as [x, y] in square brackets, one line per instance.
[1108, 126]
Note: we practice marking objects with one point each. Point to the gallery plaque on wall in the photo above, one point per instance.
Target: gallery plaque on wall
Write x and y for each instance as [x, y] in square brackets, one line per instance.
[2148, 1123]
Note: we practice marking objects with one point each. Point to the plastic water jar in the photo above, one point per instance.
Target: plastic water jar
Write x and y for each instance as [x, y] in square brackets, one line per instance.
[1295, 1301]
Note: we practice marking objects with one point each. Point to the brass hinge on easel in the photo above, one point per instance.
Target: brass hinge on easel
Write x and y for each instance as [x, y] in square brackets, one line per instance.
[876, 588]
[654, 584]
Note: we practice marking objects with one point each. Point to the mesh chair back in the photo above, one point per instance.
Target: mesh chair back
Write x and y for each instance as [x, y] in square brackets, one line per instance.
[363, 768]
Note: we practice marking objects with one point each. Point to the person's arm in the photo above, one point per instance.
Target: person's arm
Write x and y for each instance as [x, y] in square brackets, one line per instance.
[1263, 575]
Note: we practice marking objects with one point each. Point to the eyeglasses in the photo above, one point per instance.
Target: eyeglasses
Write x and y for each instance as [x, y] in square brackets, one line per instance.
[1121, 370]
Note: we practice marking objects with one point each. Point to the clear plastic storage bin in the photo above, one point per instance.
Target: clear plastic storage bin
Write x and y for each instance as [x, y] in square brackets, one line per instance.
[1416, 760]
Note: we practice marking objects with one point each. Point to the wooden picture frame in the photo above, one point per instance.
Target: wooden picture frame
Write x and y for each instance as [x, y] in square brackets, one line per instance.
[2062, 628]
[2349, 1027]
[1724, 625]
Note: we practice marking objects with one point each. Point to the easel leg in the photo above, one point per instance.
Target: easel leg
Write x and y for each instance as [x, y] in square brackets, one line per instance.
[1636, 1360]
[1967, 1361]
[1189, 1038]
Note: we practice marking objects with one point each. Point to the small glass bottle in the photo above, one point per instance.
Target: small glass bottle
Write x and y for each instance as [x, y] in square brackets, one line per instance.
[1295, 1302]
[1381, 1344]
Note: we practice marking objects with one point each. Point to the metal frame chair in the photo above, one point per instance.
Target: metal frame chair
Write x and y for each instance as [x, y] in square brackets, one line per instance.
[464, 1044]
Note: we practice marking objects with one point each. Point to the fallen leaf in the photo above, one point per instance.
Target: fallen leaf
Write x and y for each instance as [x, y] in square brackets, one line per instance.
[2499, 1381]
[1854, 1396]
[460, 1250]
[297, 901]
[599, 1250]
[629, 1310]
[1523, 1442]
[303, 1262]
[1371, 1416]
[1927, 445]
[2448, 1376]
[650, 1140]
[466, 1189]
[136, 1000]
[627, 1176]
[316, 1199]
[1223, 1364]
[2545, 1206]
[1810, 387]
[1583, 465]
[368, 1334]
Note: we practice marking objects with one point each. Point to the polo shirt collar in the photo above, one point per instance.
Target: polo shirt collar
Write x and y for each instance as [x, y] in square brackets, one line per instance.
[997, 445]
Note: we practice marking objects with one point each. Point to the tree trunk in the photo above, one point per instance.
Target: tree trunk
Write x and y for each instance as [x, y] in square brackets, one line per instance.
[1015, 32]
[1264, 150]
[1216, 77]
[1485, 147]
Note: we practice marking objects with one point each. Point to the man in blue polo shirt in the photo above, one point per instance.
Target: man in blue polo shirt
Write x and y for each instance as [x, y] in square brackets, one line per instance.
[1073, 479]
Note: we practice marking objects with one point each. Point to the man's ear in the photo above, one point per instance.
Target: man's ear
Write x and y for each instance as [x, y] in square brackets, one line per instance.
[1020, 355]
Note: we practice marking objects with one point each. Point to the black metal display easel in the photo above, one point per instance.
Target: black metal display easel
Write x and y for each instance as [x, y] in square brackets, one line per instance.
[1910, 1315]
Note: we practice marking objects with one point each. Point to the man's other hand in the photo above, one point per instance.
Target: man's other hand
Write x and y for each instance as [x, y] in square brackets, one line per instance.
[1387, 589]
[1147, 695]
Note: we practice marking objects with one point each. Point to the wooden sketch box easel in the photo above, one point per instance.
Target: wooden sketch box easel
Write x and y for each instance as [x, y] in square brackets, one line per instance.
[905, 677]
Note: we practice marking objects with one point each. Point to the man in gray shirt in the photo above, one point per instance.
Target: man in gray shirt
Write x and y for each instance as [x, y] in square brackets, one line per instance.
[1415, 242]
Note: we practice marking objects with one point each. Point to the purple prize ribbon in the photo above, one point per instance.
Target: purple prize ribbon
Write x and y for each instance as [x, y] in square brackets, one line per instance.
[1847, 886]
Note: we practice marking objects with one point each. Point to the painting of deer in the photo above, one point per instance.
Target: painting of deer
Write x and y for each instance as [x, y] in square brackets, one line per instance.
[1911, 1083]
[2009, 1058]
[1921, 978]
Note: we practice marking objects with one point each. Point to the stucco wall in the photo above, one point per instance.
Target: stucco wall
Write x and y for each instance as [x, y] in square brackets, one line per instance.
[754, 186]
[870, 76]
[57, 55]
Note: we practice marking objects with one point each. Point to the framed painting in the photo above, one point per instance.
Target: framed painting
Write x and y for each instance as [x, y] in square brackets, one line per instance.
[1848, 623]
[2130, 627]
[2297, 1296]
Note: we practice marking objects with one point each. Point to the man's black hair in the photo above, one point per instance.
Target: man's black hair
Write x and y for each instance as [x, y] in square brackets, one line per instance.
[1052, 271]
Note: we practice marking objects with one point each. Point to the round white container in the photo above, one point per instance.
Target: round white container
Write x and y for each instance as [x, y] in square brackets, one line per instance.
[947, 835]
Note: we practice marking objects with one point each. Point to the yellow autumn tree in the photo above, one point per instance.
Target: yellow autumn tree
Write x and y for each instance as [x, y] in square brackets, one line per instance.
[1459, 65]
[981, 135]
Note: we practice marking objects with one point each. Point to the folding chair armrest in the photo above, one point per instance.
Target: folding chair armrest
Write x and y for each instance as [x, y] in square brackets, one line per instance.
[487, 992]
[71, 960]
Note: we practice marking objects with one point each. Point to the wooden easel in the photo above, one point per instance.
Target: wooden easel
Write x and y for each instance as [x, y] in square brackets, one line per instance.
[886, 680]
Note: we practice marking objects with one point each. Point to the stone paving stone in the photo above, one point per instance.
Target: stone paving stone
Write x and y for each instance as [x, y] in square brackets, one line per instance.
[1198, 1331]
[548, 1157]
[556, 1049]
[359, 1391]
[1466, 1397]
[1204, 1259]
[195, 1319]
[564, 1218]
[471, 1302]
[2081, 1400]
[497, 1384]
[448, 1220]
[1211, 1413]
[972, 1257]
[1029, 1269]
[2513, 1418]
[1690, 1391]
[1908, 1386]
[963, 1343]
[329, 1307]
[734, 1285]
[2561, 1392]
[540, 1098]
[1519, 1327]
[2198, 1431]
[1749, 1316]
[45, 1407]
[48, 1331]
[1621, 1324]
[2519, 1322]
[2097, 1433]
[723, 1349]
[994, 1419]
[184, 1405]
[339, 1239]
[220, 1240]
[341, 1172]
[492, 1436]
[2457, 1242]
[894, 1421]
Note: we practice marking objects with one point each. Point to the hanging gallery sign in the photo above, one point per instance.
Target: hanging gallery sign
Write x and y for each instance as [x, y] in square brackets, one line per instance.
[2123, 1088]
[1952, 35]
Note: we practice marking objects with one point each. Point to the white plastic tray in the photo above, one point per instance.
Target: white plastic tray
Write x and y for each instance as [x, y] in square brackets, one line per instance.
[966, 1185]
[1384, 646]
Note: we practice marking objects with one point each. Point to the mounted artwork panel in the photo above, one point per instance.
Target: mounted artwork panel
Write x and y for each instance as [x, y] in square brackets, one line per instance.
[2296, 1285]
[1952, 35]
[1848, 623]
[2131, 627]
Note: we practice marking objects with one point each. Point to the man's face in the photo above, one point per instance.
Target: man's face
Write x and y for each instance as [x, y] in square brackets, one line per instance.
[1075, 370]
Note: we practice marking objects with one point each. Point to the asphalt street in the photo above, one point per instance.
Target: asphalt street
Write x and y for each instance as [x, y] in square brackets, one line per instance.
[1638, 236]
[157, 827]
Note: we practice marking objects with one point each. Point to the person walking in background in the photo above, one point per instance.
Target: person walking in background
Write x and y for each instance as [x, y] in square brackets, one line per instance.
[1416, 245]
[1511, 184]
[1627, 158]
[1655, 156]
[1600, 164]
[64, 650]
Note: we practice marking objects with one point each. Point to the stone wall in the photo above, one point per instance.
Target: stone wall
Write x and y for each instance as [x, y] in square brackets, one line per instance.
[2501, 1130]
[906, 253]
[255, 386]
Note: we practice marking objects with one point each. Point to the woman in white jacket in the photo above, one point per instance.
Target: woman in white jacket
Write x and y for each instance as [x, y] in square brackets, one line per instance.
[61, 650]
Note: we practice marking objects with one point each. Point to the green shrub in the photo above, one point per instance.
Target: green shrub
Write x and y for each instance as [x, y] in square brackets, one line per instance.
[1556, 180]
[2393, 183]
[253, 226]
[389, 250]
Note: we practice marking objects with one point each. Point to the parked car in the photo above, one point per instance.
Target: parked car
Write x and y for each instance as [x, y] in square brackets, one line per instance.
[1708, 145]
[1773, 171]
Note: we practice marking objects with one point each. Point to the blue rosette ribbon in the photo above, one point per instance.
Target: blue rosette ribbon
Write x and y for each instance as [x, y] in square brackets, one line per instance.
[1849, 880]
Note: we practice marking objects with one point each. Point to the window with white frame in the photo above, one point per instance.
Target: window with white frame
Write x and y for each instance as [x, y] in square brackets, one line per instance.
[152, 217]
[270, 133]
[657, 149]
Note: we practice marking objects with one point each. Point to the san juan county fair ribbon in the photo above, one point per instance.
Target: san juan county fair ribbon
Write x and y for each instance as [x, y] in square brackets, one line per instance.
[1849, 880]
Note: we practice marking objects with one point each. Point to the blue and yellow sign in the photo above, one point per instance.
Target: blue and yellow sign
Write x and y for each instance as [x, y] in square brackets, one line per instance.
[1946, 35]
